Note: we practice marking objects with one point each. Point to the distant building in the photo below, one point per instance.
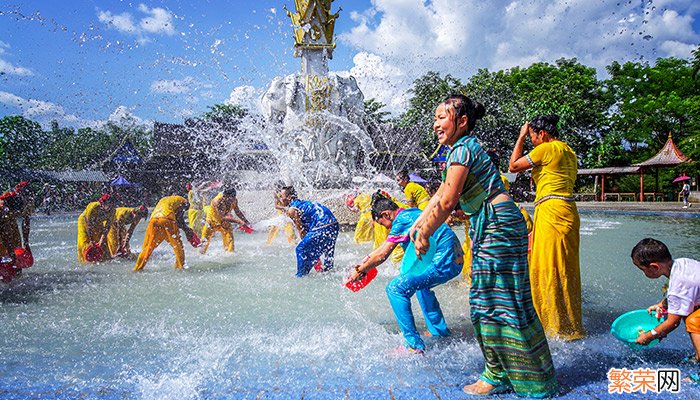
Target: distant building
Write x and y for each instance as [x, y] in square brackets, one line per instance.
[203, 150]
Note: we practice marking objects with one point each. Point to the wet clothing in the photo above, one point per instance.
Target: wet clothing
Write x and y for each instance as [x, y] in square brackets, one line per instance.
[215, 223]
[163, 226]
[483, 182]
[445, 265]
[321, 234]
[196, 215]
[380, 235]
[123, 218]
[683, 294]
[554, 260]
[506, 324]
[10, 230]
[366, 230]
[417, 194]
[91, 224]
[288, 231]
[554, 169]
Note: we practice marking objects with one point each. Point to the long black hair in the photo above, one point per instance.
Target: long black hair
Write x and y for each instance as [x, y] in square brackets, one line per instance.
[547, 123]
[461, 105]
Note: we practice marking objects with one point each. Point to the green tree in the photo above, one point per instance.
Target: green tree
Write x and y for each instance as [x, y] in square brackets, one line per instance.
[651, 101]
[374, 111]
[573, 92]
[22, 141]
[696, 62]
[567, 88]
[504, 110]
[224, 113]
[427, 92]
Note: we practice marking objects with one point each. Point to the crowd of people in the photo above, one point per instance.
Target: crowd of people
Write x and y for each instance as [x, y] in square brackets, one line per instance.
[524, 274]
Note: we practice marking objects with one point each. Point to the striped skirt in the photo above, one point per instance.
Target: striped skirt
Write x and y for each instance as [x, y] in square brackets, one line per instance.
[505, 322]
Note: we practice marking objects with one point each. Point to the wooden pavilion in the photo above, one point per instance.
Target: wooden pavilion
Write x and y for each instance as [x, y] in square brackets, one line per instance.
[668, 156]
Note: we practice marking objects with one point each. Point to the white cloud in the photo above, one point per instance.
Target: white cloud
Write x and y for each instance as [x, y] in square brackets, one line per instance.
[8, 68]
[11, 99]
[40, 111]
[677, 49]
[44, 112]
[123, 22]
[380, 80]
[160, 20]
[458, 37]
[124, 118]
[157, 21]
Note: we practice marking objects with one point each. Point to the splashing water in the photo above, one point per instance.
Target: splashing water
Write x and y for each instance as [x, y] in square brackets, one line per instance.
[234, 323]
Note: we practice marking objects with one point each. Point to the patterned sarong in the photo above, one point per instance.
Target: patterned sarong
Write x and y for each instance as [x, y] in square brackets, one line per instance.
[505, 322]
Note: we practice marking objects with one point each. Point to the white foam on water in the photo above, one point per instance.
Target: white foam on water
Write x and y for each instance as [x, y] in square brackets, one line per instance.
[243, 321]
[589, 226]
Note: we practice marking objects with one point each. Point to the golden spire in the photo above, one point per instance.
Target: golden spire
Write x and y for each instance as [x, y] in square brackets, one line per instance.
[313, 25]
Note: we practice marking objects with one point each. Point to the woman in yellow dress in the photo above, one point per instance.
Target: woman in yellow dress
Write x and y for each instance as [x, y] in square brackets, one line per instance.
[366, 230]
[167, 218]
[555, 274]
[121, 230]
[195, 214]
[416, 195]
[197, 197]
[94, 224]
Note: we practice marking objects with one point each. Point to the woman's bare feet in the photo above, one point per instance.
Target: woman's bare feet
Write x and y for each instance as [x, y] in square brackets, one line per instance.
[481, 388]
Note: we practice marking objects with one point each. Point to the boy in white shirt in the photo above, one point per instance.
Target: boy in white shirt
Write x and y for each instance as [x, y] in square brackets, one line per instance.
[682, 300]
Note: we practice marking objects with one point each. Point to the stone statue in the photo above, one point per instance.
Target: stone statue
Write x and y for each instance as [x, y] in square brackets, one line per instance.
[316, 118]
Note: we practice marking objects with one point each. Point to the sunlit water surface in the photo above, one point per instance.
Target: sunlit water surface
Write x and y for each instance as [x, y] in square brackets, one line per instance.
[243, 322]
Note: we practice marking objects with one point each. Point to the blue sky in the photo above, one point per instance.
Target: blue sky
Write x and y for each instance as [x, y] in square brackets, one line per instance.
[83, 62]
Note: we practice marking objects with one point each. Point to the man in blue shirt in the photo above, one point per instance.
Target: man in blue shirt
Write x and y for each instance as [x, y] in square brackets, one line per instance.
[317, 227]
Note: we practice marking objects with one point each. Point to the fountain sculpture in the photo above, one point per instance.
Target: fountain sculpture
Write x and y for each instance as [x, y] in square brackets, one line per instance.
[315, 118]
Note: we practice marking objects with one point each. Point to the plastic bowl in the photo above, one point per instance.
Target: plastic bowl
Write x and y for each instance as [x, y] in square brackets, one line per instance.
[412, 265]
[627, 327]
[94, 253]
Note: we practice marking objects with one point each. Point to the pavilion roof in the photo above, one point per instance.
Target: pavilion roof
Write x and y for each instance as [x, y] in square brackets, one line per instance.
[609, 171]
[668, 155]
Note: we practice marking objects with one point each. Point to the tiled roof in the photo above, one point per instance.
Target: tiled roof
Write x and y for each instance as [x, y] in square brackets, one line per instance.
[668, 155]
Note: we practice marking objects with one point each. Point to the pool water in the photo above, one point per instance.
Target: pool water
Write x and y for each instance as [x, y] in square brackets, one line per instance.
[242, 326]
